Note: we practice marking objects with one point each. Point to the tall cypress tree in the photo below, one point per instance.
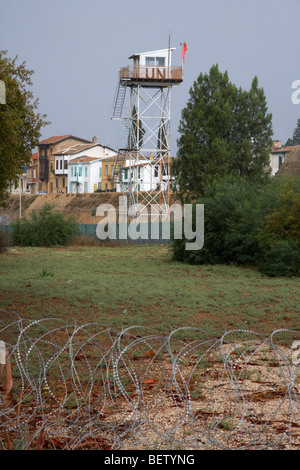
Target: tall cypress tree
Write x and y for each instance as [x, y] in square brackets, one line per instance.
[223, 130]
[296, 136]
[253, 140]
[137, 132]
[162, 144]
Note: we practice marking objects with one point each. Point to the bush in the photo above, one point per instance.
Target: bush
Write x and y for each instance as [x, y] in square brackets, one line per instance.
[233, 211]
[281, 258]
[249, 224]
[44, 228]
[279, 237]
[4, 240]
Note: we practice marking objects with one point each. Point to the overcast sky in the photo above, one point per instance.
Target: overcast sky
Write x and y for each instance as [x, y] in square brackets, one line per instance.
[76, 48]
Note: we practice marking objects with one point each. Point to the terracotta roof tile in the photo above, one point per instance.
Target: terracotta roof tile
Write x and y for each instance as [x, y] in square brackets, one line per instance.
[75, 149]
[285, 148]
[57, 138]
[54, 139]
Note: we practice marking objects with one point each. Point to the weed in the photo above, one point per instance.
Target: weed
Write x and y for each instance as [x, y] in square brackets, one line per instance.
[46, 273]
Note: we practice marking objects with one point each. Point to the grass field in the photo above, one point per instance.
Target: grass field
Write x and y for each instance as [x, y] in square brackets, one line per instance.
[140, 285]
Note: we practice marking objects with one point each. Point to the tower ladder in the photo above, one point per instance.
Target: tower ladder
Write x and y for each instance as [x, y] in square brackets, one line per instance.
[119, 99]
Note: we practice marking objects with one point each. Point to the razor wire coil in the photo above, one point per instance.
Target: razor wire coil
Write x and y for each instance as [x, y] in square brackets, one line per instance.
[90, 386]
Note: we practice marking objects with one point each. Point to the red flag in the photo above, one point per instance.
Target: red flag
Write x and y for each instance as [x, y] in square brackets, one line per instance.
[184, 49]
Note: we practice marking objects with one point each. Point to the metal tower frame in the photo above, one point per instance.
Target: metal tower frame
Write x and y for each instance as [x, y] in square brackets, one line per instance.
[147, 130]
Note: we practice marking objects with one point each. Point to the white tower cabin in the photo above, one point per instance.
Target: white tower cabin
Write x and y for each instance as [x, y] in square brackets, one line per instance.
[145, 158]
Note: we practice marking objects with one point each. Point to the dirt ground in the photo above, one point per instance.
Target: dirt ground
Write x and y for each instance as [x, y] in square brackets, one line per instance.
[81, 206]
[203, 396]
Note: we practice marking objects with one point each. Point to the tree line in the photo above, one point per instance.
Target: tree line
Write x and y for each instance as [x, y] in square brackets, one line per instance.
[225, 139]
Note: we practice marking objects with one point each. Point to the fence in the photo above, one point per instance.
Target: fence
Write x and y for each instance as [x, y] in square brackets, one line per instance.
[90, 230]
[90, 386]
[148, 236]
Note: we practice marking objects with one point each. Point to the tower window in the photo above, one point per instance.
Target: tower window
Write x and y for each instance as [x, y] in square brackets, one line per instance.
[155, 61]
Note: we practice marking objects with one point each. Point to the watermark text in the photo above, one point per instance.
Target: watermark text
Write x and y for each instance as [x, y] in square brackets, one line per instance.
[176, 223]
[296, 94]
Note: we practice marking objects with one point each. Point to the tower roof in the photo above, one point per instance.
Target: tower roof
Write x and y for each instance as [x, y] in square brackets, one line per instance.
[160, 51]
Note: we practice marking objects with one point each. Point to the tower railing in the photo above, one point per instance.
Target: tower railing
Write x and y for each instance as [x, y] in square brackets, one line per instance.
[156, 73]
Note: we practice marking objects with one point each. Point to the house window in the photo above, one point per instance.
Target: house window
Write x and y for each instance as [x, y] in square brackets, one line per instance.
[85, 172]
[100, 172]
[61, 164]
[85, 187]
[51, 187]
[112, 170]
[106, 170]
[100, 186]
[65, 164]
[56, 182]
[80, 171]
[56, 164]
[126, 174]
[72, 171]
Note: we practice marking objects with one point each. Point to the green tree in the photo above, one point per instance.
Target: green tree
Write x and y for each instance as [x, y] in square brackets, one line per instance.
[20, 123]
[224, 130]
[295, 140]
[137, 132]
[162, 144]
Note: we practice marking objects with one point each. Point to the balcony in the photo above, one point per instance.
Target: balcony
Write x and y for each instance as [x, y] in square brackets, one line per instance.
[31, 180]
[76, 179]
[63, 172]
[151, 74]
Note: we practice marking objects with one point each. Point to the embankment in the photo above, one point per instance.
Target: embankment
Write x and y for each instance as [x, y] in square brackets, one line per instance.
[81, 206]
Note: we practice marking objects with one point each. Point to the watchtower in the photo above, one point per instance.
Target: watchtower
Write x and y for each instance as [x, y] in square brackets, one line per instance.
[143, 167]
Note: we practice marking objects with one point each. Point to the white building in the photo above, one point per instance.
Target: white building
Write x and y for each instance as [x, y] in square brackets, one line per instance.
[278, 155]
[146, 175]
[95, 151]
[84, 174]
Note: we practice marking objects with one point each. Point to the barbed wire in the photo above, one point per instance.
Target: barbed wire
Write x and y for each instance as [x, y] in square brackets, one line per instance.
[91, 386]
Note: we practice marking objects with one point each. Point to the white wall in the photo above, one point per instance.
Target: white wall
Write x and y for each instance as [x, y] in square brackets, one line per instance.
[159, 53]
[147, 180]
[93, 175]
[274, 161]
[91, 179]
[97, 151]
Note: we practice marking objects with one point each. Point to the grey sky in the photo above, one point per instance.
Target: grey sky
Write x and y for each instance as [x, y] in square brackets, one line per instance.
[76, 48]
